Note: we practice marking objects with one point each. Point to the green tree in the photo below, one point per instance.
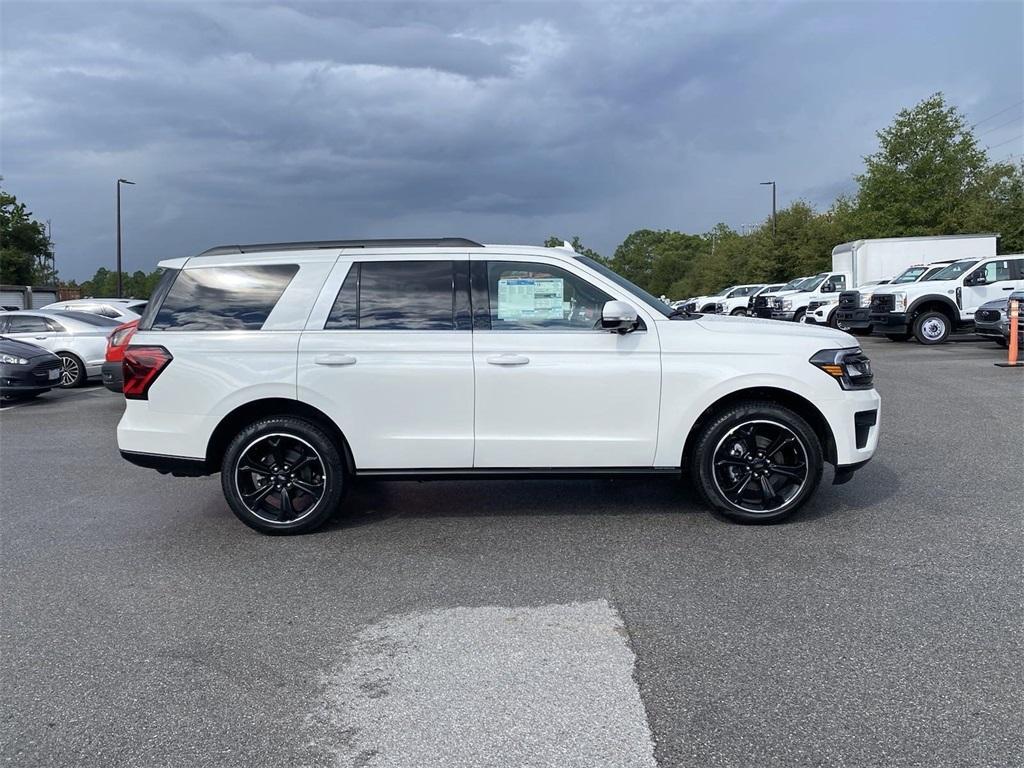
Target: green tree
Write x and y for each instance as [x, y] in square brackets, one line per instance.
[25, 254]
[925, 176]
[658, 260]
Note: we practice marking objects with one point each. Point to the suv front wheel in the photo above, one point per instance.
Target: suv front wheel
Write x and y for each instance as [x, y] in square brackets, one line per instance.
[282, 475]
[757, 462]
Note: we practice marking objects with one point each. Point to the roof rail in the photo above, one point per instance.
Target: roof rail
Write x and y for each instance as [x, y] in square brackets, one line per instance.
[422, 242]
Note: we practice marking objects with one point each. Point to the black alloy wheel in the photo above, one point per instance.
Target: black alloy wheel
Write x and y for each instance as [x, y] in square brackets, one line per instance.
[757, 462]
[283, 475]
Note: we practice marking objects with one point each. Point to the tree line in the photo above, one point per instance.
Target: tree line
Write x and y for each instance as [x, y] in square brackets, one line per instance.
[928, 176]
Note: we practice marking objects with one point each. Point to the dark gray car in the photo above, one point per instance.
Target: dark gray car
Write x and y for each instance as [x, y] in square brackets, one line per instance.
[26, 370]
[992, 320]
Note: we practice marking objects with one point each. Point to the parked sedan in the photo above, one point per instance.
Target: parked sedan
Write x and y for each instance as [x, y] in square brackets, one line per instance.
[26, 370]
[77, 338]
[113, 376]
[992, 320]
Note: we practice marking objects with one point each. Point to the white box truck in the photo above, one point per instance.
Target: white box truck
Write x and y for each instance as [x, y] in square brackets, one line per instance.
[865, 261]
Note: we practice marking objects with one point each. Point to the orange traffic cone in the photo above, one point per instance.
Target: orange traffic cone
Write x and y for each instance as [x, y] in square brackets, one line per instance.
[1013, 309]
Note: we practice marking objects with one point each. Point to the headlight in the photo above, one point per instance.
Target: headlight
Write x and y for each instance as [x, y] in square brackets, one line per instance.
[865, 299]
[12, 360]
[899, 299]
[787, 304]
[850, 367]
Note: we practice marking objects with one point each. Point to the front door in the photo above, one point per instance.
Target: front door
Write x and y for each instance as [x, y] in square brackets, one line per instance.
[32, 328]
[387, 354]
[1000, 280]
[553, 390]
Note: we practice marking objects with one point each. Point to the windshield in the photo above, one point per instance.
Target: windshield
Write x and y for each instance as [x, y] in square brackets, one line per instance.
[909, 276]
[954, 270]
[809, 283]
[792, 284]
[622, 282]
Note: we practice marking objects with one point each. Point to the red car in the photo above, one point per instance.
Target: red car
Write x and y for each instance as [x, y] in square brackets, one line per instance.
[116, 343]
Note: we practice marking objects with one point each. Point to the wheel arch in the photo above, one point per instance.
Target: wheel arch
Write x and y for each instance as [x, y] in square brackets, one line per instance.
[236, 420]
[797, 403]
[938, 304]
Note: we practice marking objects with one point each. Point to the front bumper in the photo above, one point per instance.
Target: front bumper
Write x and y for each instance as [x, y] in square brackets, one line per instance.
[783, 315]
[113, 376]
[29, 379]
[889, 322]
[854, 318]
[854, 420]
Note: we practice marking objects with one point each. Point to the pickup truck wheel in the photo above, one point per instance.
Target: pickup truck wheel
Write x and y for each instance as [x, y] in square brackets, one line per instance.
[283, 475]
[799, 316]
[738, 312]
[757, 462]
[931, 328]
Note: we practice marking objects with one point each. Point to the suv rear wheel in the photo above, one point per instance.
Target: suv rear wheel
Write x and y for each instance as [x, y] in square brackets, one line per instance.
[931, 327]
[283, 475]
[757, 462]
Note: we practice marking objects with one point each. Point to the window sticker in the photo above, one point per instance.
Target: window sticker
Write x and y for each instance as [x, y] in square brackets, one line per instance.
[528, 298]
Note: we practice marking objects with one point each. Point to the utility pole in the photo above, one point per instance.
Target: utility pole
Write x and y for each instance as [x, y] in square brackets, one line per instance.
[774, 219]
[119, 284]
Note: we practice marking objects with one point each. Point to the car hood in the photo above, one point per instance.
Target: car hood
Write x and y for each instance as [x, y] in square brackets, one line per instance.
[22, 349]
[995, 304]
[922, 286]
[754, 327]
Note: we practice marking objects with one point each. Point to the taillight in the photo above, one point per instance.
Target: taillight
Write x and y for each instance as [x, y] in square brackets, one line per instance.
[120, 337]
[141, 367]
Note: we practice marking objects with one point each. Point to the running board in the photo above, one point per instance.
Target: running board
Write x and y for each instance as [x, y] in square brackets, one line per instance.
[534, 473]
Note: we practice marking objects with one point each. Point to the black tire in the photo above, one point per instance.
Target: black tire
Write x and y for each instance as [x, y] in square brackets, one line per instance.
[738, 312]
[897, 336]
[799, 316]
[72, 370]
[932, 328]
[732, 449]
[295, 479]
[833, 320]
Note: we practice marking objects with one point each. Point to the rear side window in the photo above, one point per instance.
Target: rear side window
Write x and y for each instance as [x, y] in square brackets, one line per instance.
[27, 324]
[222, 298]
[397, 296]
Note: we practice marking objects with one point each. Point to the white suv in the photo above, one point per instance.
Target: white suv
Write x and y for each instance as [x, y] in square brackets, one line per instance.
[294, 368]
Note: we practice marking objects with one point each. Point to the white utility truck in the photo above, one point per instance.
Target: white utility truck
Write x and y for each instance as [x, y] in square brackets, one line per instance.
[863, 261]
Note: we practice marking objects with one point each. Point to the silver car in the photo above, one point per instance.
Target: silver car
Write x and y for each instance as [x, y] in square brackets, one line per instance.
[122, 310]
[79, 339]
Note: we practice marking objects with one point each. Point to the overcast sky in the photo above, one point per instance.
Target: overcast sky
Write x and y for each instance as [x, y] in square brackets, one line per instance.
[500, 122]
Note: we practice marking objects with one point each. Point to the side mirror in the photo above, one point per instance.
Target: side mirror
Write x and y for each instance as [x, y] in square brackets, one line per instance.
[618, 317]
[978, 278]
[828, 287]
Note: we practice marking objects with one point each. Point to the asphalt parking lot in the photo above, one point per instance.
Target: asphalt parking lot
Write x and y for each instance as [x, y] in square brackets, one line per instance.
[525, 623]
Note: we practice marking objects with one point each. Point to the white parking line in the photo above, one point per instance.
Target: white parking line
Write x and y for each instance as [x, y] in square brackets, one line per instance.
[548, 686]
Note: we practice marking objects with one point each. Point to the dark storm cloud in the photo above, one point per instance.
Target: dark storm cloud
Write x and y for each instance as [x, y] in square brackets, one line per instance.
[245, 121]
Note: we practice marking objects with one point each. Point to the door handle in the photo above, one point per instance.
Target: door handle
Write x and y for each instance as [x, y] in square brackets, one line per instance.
[1008, 289]
[334, 360]
[40, 337]
[508, 359]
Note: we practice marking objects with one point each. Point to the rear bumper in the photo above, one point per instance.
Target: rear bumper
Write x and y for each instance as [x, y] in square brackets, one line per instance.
[113, 376]
[179, 466]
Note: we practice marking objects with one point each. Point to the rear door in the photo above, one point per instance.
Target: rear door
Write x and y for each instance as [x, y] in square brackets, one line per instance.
[388, 355]
[552, 388]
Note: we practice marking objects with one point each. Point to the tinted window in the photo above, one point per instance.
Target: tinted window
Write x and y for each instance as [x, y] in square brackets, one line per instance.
[526, 296]
[396, 296]
[223, 298]
[163, 285]
[838, 282]
[26, 324]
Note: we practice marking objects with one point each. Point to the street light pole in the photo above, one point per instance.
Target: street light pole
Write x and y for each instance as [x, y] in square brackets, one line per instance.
[774, 220]
[119, 284]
